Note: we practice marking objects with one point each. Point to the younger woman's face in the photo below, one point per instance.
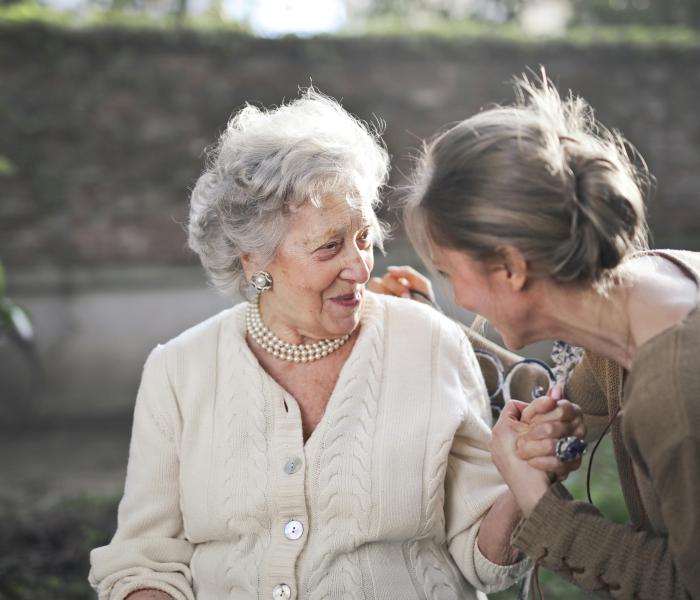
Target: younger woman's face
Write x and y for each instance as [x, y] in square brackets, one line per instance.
[484, 288]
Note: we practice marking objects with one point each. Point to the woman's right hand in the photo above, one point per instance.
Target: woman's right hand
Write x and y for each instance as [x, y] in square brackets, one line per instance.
[548, 419]
[398, 281]
[149, 594]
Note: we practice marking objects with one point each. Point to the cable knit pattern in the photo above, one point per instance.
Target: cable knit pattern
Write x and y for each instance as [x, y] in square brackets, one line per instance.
[248, 435]
[383, 501]
[345, 498]
[430, 565]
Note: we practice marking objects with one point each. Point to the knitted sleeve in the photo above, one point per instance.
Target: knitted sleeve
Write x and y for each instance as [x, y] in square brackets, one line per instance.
[472, 484]
[149, 549]
[577, 542]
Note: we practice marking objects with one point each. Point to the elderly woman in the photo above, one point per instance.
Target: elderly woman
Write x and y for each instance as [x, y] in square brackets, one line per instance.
[535, 214]
[318, 441]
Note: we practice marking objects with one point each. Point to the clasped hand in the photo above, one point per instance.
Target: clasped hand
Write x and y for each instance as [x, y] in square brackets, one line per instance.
[524, 442]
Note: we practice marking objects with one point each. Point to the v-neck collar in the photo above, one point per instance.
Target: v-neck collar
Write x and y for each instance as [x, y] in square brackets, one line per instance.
[371, 330]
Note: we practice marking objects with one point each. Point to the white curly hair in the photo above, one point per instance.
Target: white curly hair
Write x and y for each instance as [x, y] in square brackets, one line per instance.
[269, 162]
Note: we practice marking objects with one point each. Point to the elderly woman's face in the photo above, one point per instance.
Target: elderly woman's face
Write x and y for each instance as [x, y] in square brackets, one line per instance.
[320, 270]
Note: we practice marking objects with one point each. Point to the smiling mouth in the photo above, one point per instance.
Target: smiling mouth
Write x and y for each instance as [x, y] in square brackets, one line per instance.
[352, 299]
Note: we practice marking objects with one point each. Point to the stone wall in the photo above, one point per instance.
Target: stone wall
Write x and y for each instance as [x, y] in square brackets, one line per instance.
[106, 132]
[107, 128]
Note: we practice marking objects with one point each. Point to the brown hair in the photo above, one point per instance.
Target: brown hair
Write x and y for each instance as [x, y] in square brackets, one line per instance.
[541, 175]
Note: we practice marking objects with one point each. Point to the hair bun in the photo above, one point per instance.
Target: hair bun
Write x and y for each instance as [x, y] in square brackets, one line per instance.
[607, 213]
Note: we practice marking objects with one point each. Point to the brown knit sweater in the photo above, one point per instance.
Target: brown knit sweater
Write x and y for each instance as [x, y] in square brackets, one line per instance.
[657, 446]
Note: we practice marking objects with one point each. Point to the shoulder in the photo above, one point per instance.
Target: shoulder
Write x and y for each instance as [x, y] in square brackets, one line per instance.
[197, 347]
[689, 259]
[205, 333]
[402, 316]
[685, 259]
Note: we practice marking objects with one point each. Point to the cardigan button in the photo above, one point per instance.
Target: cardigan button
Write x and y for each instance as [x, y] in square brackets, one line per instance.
[292, 466]
[281, 592]
[293, 530]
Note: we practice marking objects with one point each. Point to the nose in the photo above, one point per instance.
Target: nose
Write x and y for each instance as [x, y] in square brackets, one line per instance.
[358, 266]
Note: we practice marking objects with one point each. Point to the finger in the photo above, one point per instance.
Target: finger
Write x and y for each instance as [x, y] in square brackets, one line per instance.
[562, 411]
[554, 465]
[375, 285]
[556, 391]
[553, 430]
[512, 410]
[520, 404]
[415, 279]
[527, 448]
[504, 431]
[541, 405]
[520, 426]
[394, 287]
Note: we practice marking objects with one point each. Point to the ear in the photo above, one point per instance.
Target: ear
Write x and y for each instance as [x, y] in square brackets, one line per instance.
[248, 266]
[515, 267]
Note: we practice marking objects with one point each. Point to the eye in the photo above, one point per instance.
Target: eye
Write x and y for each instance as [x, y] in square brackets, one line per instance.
[364, 237]
[443, 274]
[329, 249]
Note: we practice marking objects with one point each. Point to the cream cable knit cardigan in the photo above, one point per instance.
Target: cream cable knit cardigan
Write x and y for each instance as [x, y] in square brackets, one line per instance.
[390, 488]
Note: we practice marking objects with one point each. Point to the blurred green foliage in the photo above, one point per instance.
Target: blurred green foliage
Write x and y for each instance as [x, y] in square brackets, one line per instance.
[592, 21]
[7, 167]
[685, 13]
[511, 31]
[641, 12]
[45, 554]
[30, 11]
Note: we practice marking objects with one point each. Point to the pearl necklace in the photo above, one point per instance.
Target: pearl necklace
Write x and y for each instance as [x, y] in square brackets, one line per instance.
[298, 353]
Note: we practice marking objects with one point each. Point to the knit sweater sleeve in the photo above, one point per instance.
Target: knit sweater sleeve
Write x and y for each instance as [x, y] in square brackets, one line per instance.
[472, 484]
[149, 549]
[577, 542]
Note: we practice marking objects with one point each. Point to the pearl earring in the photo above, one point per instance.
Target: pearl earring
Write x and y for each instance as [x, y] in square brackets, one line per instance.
[261, 281]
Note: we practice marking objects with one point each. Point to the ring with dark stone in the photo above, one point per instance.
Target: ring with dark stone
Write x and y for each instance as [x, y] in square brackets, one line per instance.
[569, 449]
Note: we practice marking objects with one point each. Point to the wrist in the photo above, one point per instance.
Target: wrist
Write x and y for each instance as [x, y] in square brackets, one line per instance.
[528, 496]
[528, 492]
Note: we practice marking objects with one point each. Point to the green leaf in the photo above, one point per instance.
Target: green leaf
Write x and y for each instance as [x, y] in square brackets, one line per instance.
[7, 167]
